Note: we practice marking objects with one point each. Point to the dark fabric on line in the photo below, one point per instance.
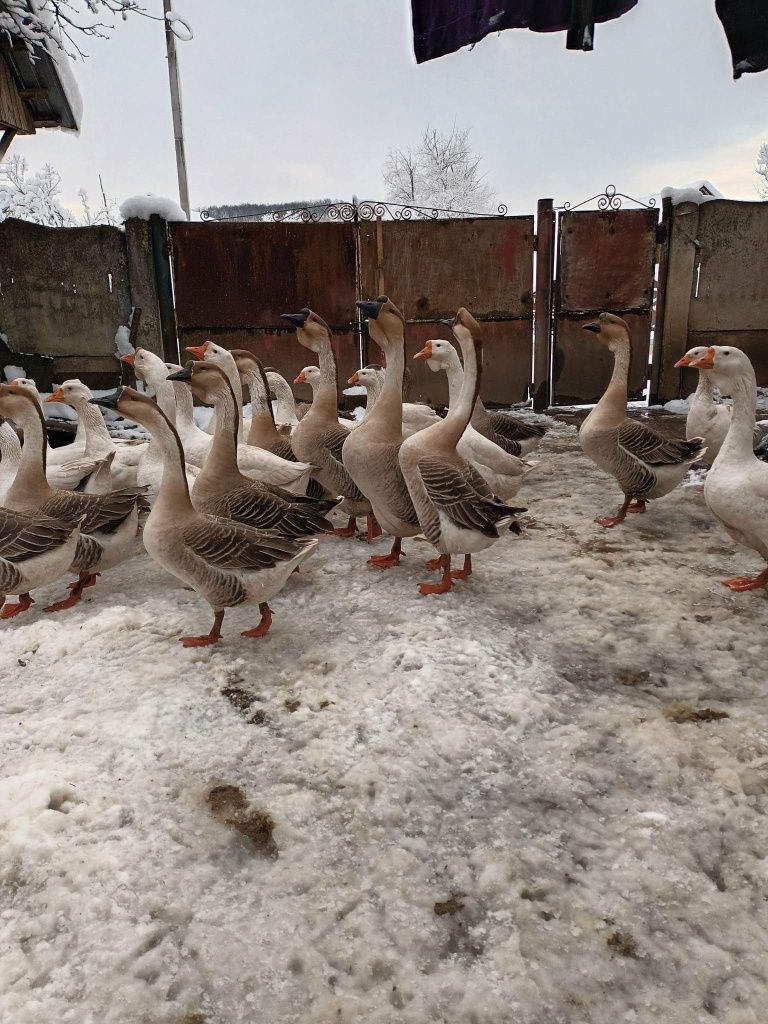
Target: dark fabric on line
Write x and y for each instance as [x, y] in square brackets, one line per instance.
[746, 29]
[443, 26]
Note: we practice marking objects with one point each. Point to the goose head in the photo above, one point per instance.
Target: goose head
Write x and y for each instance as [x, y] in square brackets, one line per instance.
[726, 366]
[72, 393]
[386, 323]
[368, 377]
[439, 355]
[610, 330]
[691, 356]
[246, 362]
[212, 353]
[133, 406]
[311, 330]
[17, 398]
[309, 375]
[206, 379]
[148, 367]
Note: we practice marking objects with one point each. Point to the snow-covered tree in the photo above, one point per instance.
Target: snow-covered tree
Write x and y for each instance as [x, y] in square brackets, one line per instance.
[762, 169]
[32, 197]
[442, 172]
[107, 212]
[63, 24]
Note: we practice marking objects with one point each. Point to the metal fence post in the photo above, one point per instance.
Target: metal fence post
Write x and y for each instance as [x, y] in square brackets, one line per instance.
[542, 323]
[162, 264]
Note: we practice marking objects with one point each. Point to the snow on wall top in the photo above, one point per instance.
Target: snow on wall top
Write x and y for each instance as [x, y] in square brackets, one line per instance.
[698, 192]
[144, 206]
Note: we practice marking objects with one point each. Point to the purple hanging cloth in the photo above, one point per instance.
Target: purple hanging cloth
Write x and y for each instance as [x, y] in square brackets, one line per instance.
[746, 29]
[443, 26]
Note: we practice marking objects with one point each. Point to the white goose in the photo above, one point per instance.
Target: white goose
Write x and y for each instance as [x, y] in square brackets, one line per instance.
[10, 457]
[736, 488]
[503, 472]
[226, 563]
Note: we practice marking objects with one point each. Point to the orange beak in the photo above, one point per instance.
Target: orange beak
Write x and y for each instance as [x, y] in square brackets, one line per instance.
[301, 379]
[426, 352]
[57, 396]
[129, 360]
[198, 351]
[706, 362]
[683, 361]
[354, 379]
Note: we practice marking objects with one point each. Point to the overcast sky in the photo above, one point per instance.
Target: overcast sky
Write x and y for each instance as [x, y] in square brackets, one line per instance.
[302, 99]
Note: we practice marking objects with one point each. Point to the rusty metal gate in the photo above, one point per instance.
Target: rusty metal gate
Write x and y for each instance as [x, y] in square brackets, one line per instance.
[605, 262]
[233, 280]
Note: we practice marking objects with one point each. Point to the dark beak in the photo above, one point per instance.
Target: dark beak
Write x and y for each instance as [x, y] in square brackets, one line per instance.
[297, 319]
[185, 374]
[371, 309]
[593, 325]
[450, 322]
[108, 401]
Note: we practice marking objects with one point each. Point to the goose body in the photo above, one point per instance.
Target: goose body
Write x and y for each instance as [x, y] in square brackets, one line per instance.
[645, 464]
[736, 488]
[512, 433]
[108, 522]
[370, 452]
[225, 562]
[10, 458]
[35, 551]
[456, 508]
[318, 438]
[503, 472]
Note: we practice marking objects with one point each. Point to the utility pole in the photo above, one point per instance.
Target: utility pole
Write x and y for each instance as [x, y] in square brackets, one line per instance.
[178, 129]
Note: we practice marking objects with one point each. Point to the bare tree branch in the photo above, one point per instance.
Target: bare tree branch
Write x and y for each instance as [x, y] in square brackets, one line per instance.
[762, 169]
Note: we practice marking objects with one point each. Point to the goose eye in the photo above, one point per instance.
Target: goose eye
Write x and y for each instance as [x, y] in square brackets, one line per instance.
[727, 352]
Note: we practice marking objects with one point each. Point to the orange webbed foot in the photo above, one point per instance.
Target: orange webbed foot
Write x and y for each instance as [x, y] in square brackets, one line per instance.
[10, 611]
[740, 583]
[436, 588]
[263, 627]
[199, 641]
[349, 530]
[609, 521]
[434, 564]
[637, 507]
[466, 572]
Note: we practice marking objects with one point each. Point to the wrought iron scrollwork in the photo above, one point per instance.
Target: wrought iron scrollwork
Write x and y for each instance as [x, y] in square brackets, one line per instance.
[365, 210]
[610, 199]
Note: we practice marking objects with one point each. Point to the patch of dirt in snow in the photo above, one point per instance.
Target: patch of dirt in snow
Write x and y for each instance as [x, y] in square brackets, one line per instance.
[509, 742]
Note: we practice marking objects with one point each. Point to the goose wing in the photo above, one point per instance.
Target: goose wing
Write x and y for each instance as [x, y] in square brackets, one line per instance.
[102, 511]
[229, 545]
[23, 536]
[514, 428]
[333, 439]
[653, 448]
[71, 474]
[453, 494]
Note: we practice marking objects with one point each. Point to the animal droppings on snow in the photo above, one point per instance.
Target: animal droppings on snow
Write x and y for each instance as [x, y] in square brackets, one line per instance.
[229, 805]
[450, 906]
[681, 713]
[622, 944]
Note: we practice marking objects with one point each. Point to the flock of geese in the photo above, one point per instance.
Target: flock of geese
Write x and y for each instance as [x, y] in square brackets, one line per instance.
[233, 512]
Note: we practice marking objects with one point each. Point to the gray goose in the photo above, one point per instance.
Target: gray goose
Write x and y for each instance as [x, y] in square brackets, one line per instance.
[221, 489]
[225, 562]
[645, 464]
[370, 452]
[458, 512]
[109, 522]
[318, 437]
[34, 551]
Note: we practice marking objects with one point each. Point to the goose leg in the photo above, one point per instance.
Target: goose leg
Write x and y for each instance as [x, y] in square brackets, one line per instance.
[390, 560]
[747, 582]
[621, 515]
[374, 530]
[347, 531]
[266, 621]
[637, 506]
[87, 579]
[211, 638]
[11, 610]
[445, 583]
[434, 564]
[462, 574]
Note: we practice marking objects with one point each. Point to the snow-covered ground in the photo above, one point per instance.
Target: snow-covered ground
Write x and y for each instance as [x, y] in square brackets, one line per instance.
[514, 804]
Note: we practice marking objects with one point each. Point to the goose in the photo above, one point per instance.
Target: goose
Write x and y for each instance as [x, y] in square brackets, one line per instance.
[220, 487]
[286, 414]
[35, 551]
[372, 379]
[318, 437]
[108, 522]
[512, 433]
[225, 562]
[416, 416]
[195, 440]
[98, 442]
[150, 369]
[458, 512]
[254, 462]
[73, 470]
[503, 472]
[10, 457]
[706, 417]
[370, 452]
[645, 464]
[736, 488]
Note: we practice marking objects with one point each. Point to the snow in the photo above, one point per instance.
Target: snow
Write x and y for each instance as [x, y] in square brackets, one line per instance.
[123, 341]
[692, 193]
[144, 206]
[13, 373]
[69, 86]
[515, 752]
[356, 389]
[183, 33]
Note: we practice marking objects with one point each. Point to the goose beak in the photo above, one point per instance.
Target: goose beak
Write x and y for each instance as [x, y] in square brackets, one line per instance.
[296, 319]
[57, 396]
[108, 401]
[683, 361]
[426, 352]
[593, 326]
[371, 309]
[301, 379]
[354, 379]
[198, 351]
[185, 374]
[707, 362]
[129, 360]
[450, 322]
